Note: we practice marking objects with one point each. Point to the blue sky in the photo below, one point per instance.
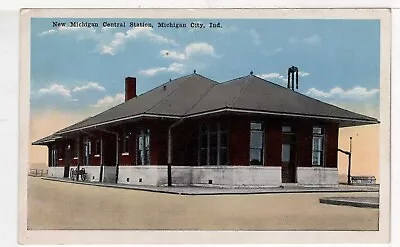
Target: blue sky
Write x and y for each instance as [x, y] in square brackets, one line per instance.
[84, 68]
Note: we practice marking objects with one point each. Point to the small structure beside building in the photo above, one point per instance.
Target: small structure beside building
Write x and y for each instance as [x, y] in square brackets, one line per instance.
[363, 180]
[243, 132]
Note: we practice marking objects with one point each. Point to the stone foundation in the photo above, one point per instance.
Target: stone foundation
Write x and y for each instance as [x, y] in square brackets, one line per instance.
[56, 171]
[317, 176]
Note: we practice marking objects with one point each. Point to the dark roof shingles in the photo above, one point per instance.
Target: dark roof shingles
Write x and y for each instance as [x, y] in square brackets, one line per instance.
[195, 94]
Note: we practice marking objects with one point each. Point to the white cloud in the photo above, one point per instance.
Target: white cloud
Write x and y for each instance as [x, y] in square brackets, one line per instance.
[110, 101]
[120, 39]
[200, 48]
[55, 89]
[61, 90]
[107, 50]
[173, 55]
[255, 36]
[67, 30]
[272, 52]
[367, 108]
[270, 76]
[281, 79]
[311, 40]
[356, 93]
[51, 31]
[88, 86]
[174, 67]
[303, 74]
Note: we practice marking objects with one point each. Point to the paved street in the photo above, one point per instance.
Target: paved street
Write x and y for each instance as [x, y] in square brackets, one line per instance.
[56, 205]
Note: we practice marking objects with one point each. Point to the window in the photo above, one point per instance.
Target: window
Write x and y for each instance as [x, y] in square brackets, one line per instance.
[53, 156]
[126, 141]
[203, 152]
[213, 146]
[223, 144]
[285, 152]
[143, 147]
[256, 143]
[286, 129]
[318, 147]
[87, 147]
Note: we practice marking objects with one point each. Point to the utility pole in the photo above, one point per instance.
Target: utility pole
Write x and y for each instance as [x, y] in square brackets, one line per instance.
[349, 168]
[348, 153]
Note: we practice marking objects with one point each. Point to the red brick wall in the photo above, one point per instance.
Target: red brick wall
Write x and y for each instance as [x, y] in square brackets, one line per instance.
[273, 147]
[60, 153]
[239, 140]
[159, 143]
[304, 143]
[185, 144]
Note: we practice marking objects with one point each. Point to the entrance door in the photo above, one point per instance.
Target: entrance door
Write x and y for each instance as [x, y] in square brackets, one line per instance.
[289, 158]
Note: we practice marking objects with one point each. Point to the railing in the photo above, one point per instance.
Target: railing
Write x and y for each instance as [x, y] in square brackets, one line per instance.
[37, 172]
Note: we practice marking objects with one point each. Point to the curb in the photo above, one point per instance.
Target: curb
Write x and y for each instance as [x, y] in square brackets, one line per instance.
[156, 190]
[348, 202]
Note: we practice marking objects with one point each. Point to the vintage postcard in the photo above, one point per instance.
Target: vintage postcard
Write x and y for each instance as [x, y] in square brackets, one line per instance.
[204, 126]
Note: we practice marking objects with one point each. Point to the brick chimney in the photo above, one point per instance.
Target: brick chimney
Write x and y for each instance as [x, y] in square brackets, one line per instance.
[130, 88]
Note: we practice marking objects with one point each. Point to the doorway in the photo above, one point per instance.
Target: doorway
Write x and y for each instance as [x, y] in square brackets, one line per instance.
[288, 158]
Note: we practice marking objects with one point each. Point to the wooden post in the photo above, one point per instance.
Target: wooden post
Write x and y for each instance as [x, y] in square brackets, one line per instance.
[349, 167]
[101, 160]
[169, 175]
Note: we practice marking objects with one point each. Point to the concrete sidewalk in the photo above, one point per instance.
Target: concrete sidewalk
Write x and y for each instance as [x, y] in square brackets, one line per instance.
[360, 202]
[179, 190]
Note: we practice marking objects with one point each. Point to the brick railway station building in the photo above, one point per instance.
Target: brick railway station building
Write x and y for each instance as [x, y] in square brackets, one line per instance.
[243, 132]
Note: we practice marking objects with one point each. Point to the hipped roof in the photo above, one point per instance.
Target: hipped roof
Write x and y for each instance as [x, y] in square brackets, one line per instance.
[195, 95]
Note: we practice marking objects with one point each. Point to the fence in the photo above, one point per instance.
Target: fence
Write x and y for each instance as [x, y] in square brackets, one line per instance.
[37, 172]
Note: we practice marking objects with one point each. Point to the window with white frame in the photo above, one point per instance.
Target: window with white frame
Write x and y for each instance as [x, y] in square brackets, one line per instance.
[318, 146]
[256, 143]
[213, 144]
[143, 147]
[53, 156]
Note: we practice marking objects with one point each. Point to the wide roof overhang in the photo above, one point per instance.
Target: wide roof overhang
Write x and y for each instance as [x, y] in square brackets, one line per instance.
[343, 122]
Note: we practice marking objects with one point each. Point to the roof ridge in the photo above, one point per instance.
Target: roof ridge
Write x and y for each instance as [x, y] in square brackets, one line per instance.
[229, 81]
[201, 98]
[216, 82]
[240, 92]
[162, 100]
